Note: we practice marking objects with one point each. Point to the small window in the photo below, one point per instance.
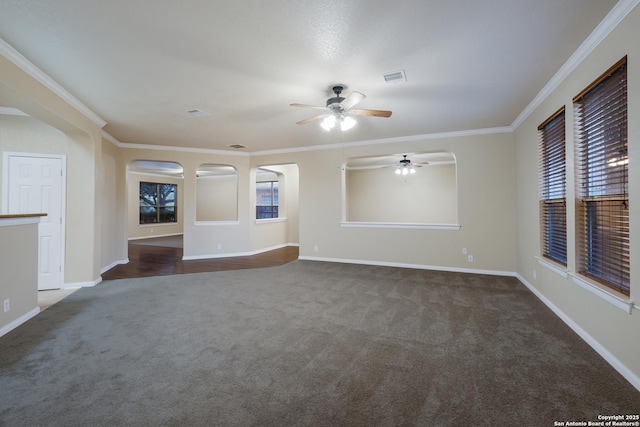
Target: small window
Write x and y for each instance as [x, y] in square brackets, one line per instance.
[603, 197]
[266, 199]
[158, 203]
[553, 195]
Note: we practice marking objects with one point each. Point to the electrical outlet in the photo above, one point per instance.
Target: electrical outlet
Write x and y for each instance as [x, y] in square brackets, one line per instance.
[219, 246]
[470, 258]
[464, 251]
[315, 248]
[7, 305]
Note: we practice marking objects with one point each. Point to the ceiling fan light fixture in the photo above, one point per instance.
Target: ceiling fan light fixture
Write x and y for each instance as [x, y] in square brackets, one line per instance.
[328, 123]
[340, 108]
[405, 167]
[347, 123]
[405, 170]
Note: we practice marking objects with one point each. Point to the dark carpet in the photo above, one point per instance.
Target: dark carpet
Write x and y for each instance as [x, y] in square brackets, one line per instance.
[304, 344]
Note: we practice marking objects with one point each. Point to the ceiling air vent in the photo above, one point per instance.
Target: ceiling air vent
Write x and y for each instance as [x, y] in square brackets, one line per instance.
[237, 146]
[197, 113]
[395, 77]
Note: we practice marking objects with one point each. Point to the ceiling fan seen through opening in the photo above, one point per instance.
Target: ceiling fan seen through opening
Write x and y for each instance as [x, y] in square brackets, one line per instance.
[406, 167]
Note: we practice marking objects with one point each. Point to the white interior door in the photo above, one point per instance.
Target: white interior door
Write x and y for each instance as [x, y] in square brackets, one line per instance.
[36, 186]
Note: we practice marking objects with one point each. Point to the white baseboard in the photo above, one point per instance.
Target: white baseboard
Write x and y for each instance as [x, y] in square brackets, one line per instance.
[19, 321]
[75, 285]
[405, 265]
[154, 236]
[229, 255]
[593, 343]
[113, 264]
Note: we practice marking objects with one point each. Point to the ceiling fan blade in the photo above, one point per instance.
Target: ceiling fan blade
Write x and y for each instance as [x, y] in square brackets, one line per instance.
[352, 100]
[307, 106]
[312, 119]
[375, 113]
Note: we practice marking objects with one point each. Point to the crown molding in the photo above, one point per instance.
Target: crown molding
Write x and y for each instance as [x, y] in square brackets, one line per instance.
[412, 138]
[10, 111]
[110, 138]
[613, 18]
[119, 144]
[181, 149]
[424, 137]
[28, 67]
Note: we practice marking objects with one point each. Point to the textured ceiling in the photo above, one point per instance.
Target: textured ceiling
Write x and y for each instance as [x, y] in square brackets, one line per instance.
[140, 65]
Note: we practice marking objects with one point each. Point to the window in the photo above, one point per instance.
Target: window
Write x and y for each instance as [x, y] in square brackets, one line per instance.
[266, 199]
[603, 199]
[553, 196]
[157, 203]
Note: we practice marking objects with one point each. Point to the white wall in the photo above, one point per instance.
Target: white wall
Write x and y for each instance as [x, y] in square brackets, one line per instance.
[615, 333]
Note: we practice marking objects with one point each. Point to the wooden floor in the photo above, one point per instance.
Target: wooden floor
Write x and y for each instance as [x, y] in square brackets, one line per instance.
[145, 261]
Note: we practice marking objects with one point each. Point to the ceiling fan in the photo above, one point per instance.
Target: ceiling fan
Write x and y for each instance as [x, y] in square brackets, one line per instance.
[406, 167]
[339, 109]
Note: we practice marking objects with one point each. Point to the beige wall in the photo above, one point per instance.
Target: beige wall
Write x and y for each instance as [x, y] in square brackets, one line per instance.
[19, 90]
[30, 135]
[217, 198]
[269, 234]
[113, 207]
[486, 190]
[18, 273]
[428, 196]
[292, 207]
[607, 327]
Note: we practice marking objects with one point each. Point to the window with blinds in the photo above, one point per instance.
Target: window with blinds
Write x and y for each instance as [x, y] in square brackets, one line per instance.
[602, 207]
[553, 195]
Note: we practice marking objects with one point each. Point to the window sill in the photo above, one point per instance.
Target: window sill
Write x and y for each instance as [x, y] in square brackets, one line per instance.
[270, 220]
[202, 223]
[157, 224]
[400, 225]
[559, 269]
[621, 302]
